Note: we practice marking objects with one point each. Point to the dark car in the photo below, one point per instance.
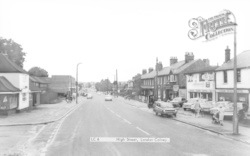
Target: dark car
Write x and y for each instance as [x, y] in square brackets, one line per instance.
[178, 101]
[164, 108]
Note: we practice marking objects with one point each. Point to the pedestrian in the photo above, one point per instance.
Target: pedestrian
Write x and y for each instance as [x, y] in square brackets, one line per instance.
[245, 110]
[221, 115]
[197, 108]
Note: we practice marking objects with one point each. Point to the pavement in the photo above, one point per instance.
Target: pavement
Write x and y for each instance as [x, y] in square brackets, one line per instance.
[41, 114]
[203, 122]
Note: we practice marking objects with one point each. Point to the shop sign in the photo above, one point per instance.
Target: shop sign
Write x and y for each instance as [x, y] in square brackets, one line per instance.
[231, 91]
[175, 88]
[213, 27]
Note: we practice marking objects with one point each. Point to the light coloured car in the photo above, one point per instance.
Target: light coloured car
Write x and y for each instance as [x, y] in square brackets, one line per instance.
[206, 105]
[108, 98]
[178, 101]
[164, 108]
[228, 107]
[190, 103]
[89, 96]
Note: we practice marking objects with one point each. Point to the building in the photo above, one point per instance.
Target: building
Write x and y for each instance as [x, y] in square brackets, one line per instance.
[19, 78]
[61, 84]
[225, 78]
[171, 80]
[201, 83]
[147, 84]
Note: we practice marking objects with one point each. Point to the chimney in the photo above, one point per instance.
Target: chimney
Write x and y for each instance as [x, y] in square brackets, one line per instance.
[189, 56]
[207, 62]
[144, 71]
[173, 60]
[227, 54]
[160, 66]
[150, 70]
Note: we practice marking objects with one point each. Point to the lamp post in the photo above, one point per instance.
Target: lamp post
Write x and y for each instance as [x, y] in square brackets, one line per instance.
[77, 82]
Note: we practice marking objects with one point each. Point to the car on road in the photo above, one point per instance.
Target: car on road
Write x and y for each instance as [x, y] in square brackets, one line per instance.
[89, 96]
[108, 98]
[178, 101]
[191, 102]
[164, 109]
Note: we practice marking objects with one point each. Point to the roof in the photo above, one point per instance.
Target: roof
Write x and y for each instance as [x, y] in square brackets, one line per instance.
[43, 80]
[149, 75]
[166, 70]
[6, 86]
[242, 62]
[204, 69]
[184, 66]
[7, 66]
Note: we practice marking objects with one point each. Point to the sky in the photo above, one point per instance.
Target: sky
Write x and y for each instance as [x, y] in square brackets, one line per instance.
[109, 35]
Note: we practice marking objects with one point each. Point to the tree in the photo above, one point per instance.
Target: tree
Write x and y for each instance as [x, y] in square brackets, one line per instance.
[13, 50]
[104, 85]
[39, 72]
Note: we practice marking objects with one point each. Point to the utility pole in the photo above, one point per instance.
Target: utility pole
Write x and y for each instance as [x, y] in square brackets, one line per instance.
[117, 82]
[77, 82]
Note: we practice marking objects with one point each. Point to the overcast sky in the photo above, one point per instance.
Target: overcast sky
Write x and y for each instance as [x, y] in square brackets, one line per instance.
[105, 35]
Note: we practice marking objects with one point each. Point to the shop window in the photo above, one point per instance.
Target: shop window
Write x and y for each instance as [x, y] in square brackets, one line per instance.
[225, 76]
[238, 75]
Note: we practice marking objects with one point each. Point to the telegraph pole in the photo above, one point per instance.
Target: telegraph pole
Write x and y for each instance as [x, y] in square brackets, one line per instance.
[116, 83]
[77, 82]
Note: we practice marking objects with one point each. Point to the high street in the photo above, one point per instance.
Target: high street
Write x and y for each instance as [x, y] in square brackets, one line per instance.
[98, 118]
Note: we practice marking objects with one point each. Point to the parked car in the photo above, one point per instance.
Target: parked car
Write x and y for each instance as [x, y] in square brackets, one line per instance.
[89, 96]
[178, 101]
[190, 103]
[228, 107]
[108, 98]
[164, 108]
[84, 94]
[206, 105]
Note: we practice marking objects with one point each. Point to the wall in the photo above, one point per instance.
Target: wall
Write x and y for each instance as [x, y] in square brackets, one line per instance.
[245, 83]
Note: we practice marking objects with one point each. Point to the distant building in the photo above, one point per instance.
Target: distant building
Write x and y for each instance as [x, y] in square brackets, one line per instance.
[62, 84]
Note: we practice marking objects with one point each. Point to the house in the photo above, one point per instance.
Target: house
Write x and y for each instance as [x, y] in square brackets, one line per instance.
[19, 78]
[62, 84]
[171, 80]
[147, 84]
[201, 83]
[225, 78]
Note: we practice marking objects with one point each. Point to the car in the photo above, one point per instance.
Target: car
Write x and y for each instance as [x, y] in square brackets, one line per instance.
[108, 98]
[89, 96]
[164, 109]
[228, 107]
[206, 105]
[190, 103]
[178, 101]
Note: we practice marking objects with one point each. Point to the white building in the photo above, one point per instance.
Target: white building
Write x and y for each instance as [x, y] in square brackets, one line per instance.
[201, 83]
[225, 78]
[19, 78]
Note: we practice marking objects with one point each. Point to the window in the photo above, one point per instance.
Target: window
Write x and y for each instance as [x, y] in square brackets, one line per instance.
[225, 76]
[201, 77]
[238, 75]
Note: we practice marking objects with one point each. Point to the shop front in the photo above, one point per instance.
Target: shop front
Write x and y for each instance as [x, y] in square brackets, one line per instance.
[228, 94]
[203, 94]
[8, 103]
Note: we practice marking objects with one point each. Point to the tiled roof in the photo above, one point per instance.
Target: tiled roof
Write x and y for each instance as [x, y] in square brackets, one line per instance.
[184, 66]
[43, 80]
[7, 66]
[149, 75]
[242, 62]
[6, 86]
[204, 69]
[166, 70]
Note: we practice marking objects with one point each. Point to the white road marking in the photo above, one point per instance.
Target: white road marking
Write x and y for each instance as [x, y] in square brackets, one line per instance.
[127, 121]
[142, 130]
[118, 115]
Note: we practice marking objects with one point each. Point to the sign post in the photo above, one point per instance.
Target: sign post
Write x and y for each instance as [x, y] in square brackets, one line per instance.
[211, 29]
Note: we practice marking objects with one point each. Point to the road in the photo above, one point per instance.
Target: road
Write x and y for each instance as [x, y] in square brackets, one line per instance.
[98, 118]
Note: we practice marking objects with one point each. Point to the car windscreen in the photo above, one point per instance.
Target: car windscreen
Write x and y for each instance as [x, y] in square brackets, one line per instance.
[166, 105]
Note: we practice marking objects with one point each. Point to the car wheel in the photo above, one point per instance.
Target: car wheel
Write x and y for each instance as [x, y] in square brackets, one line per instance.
[185, 109]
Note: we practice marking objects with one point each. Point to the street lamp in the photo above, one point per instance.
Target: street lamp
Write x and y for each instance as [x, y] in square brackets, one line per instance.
[77, 82]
